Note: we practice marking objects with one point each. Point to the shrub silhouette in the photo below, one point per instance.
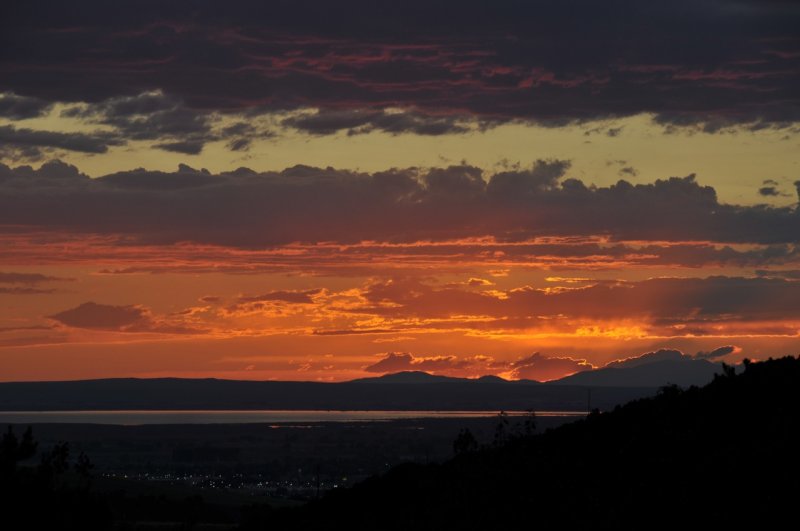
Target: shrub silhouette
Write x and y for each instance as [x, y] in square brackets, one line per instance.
[465, 442]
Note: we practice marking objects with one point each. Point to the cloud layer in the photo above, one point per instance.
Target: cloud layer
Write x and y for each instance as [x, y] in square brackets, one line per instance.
[305, 204]
[12, 283]
[537, 366]
[154, 72]
[658, 306]
[534, 367]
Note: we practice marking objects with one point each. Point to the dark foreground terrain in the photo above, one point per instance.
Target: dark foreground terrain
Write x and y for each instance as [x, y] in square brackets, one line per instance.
[721, 455]
[177, 476]
[289, 460]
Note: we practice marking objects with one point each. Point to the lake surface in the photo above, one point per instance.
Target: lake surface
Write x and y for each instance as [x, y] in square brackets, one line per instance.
[136, 418]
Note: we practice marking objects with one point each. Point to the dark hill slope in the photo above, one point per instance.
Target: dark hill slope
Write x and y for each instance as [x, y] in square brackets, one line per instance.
[722, 455]
[654, 374]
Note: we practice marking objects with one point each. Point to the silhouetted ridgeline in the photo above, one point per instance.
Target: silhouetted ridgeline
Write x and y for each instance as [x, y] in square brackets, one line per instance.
[171, 393]
[722, 455]
[400, 391]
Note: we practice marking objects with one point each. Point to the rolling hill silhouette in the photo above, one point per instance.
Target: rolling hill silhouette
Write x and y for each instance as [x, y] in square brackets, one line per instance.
[395, 392]
[411, 390]
[410, 377]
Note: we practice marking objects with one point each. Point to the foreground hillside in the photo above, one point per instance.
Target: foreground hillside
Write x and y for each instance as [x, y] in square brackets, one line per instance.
[719, 455]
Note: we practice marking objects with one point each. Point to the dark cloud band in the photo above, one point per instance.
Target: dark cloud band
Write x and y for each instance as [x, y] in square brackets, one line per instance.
[304, 204]
[704, 64]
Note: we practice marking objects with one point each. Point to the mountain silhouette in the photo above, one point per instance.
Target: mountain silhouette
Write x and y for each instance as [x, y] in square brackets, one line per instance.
[409, 390]
[653, 374]
[403, 391]
[406, 377]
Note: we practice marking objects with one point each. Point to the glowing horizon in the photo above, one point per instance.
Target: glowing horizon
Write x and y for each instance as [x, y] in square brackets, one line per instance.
[311, 198]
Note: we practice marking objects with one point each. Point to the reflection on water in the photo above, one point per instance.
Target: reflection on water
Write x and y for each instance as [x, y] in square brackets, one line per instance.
[132, 418]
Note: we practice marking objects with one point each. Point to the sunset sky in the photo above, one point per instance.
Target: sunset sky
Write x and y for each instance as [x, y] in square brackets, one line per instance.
[327, 190]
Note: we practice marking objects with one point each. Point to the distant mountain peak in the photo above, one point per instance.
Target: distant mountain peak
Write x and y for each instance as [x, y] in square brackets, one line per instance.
[408, 377]
[491, 378]
[683, 372]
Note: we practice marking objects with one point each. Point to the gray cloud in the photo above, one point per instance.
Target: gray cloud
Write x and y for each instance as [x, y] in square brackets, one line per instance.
[771, 188]
[81, 142]
[22, 153]
[151, 116]
[308, 204]
[361, 121]
[719, 352]
[17, 107]
[511, 61]
[146, 116]
[186, 147]
[667, 354]
[519, 185]
[239, 144]
[159, 117]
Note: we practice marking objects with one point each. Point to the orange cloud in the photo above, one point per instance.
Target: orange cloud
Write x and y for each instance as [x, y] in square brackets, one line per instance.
[544, 368]
[534, 367]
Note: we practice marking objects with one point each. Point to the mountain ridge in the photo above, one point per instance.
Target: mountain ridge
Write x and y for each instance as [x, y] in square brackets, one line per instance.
[411, 390]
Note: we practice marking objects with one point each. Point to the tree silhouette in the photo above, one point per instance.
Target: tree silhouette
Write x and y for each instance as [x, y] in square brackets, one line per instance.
[501, 429]
[12, 450]
[83, 467]
[729, 371]
[465, 442]
[529, 424]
